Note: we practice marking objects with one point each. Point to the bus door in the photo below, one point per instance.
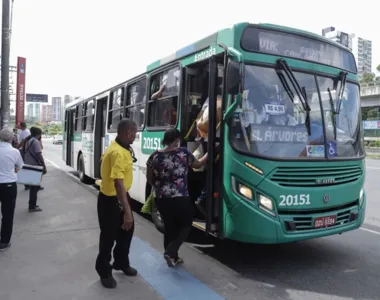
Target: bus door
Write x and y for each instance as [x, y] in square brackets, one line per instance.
[99, 133]
[70, 122]
[212, 174]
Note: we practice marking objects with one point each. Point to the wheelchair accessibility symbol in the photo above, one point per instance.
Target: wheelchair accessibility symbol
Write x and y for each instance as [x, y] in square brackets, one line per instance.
[332, 151]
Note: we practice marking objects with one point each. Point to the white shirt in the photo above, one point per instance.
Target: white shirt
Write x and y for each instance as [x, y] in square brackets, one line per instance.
[10, 158]
[23, 134]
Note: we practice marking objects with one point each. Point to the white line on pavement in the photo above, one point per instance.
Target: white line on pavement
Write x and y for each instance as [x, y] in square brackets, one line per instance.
[375, 168]
[53, 163]
[369, 230]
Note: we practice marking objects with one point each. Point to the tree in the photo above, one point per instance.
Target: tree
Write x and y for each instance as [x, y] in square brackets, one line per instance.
[378, 68]
[368, 79]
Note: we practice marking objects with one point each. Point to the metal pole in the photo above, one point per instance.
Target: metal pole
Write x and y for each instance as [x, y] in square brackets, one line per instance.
[5, 66]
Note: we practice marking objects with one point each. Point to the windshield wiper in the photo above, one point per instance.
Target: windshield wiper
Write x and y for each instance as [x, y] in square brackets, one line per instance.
[334, 112]
[301, 93]
[343, 78]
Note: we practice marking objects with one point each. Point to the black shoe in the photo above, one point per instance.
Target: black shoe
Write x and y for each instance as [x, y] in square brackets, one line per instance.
[170, 261]
[35, 209]
[4, 247]
[178, 261]
[109, 282]
[41, 188]
[129, 271]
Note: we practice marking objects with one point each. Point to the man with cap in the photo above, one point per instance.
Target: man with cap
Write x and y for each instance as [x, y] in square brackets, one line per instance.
[10, 163]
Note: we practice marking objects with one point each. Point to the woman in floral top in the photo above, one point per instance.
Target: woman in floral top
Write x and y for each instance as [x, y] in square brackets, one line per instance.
[167, 172]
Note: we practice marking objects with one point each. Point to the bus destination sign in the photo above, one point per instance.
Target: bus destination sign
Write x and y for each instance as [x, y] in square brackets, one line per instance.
[297, 46]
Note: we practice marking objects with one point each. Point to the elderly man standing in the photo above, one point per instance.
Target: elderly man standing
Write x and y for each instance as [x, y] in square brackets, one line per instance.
[10, 163]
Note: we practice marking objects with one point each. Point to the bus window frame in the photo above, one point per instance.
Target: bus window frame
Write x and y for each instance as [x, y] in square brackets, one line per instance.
[279, 159]
[79, 117]
[110, 103]
[148, 101]
[143, 104]
[86, 116]
[300, 35]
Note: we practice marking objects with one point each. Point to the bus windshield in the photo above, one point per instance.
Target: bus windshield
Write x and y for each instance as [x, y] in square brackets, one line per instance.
[273, 122]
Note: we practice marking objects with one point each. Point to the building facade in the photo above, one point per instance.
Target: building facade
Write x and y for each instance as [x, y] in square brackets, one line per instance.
[47, 113]
[361, 48]
[57, 108]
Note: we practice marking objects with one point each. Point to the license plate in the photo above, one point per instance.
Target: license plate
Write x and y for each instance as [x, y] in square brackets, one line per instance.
[324, 221]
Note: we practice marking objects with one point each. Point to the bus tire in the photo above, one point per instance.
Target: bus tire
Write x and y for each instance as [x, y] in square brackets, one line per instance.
[81, 171]
[156, 216]
[157, 219]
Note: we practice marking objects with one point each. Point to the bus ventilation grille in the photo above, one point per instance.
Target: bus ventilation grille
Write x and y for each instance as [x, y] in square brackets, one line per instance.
[315, 176]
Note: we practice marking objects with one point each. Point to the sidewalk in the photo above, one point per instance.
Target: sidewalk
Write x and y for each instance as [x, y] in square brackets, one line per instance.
[53, 252]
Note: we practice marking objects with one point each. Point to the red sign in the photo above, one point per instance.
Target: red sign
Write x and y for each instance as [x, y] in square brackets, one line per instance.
[20, 90]
[324, 221]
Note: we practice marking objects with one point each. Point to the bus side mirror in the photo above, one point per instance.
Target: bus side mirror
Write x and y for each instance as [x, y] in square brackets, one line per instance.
[235, 77]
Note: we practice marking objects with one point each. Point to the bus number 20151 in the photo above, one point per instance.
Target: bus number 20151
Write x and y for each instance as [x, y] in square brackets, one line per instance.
[294, 200]
[151, 143]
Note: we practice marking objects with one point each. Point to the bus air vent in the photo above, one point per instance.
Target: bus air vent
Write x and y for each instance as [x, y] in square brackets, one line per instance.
[315, 176]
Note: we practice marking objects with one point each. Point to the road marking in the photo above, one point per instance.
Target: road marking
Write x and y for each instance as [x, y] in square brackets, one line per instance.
[54, 164]
[369, 230]
[374, 168]
[170, 283]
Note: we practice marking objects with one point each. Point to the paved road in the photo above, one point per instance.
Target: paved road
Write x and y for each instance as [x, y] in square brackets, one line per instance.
[338, 267]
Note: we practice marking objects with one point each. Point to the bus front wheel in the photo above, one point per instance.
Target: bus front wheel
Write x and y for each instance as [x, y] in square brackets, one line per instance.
[156, 216]
[157, 219]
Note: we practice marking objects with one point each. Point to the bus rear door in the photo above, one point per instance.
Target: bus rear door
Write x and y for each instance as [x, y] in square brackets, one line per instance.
[100, 133]
[70, 123]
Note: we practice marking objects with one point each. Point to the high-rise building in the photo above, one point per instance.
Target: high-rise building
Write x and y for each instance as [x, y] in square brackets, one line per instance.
[346, 39]
[67, 99]
[363, 55]
[57, 108]
[47, 113]
[361, 48]
[30, 110]
[34, 111]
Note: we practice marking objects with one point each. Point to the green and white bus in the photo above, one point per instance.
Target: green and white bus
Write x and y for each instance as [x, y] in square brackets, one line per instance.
[291, 158]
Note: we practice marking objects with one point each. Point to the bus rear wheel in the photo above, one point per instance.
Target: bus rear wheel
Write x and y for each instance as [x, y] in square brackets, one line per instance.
[81, 171]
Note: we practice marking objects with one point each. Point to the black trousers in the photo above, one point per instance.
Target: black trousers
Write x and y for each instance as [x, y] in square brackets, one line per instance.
[111, 219]
[8, 195]
[177, 214]
[33, 191]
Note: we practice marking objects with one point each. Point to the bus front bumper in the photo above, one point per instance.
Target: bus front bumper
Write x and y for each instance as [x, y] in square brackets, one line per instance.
[252, 225]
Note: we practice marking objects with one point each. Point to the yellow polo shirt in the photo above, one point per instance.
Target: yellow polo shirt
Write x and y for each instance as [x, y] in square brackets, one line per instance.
[116, 164]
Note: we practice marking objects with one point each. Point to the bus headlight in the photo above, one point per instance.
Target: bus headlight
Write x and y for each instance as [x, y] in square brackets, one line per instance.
[241, 189]
[361, 197]
[245, 191]
[265, 203]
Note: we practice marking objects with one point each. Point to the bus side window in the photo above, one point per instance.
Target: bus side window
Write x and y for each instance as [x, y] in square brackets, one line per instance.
[115, 110]
[89, 116]
[79, 118]
[135, 105]
[162, 111]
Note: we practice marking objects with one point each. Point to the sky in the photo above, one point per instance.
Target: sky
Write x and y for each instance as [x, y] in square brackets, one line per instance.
[82, 47]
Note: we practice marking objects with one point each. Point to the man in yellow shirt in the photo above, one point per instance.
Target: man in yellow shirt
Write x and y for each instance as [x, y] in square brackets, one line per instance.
[114, 209]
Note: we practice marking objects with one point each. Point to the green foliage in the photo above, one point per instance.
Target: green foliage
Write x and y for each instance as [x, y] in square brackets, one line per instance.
[368, 79]
[372, 144]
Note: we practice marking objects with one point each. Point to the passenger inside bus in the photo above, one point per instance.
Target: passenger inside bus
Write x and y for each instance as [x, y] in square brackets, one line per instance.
[169, 85]
[199, 130]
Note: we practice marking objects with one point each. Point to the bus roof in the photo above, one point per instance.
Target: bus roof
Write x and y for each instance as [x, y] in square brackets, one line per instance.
[226, 35]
